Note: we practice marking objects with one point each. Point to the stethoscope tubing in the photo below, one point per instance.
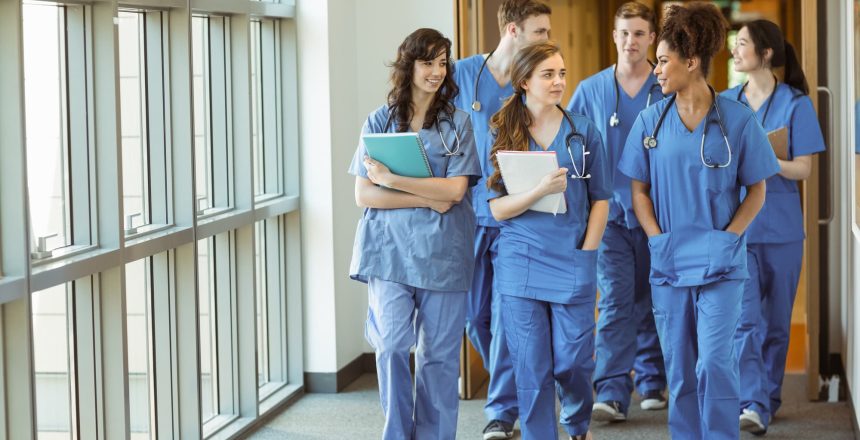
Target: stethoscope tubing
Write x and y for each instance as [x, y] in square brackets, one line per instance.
[450, 119]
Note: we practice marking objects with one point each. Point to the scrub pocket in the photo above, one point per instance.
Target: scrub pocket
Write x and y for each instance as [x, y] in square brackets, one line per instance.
[662, 262]
[725, 253]
[367, 250]
[511, 268]
[585, 273]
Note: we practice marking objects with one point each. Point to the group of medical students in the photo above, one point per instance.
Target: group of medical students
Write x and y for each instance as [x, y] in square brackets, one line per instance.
[677, 211]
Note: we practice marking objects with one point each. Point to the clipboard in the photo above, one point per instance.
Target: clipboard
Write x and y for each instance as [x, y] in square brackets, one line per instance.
[779, 142]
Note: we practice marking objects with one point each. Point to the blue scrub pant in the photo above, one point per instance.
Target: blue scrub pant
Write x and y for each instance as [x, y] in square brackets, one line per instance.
[696, 327]
[483, 326]
[398, 317]
[765, 326]
[552, 348]
[626, 335]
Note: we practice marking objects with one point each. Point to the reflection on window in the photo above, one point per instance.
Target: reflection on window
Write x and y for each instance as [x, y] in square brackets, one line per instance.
[51, 358]
[208, 324]
[138, 288]
[211, 79]
[135, 157]
[45, 87]
[262, 303]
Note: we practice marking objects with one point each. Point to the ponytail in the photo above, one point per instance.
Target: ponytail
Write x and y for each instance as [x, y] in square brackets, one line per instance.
[511, 126]
[793, 73]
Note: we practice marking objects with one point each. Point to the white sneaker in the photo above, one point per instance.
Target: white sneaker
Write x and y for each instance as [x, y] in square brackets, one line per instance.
[653, 401]
[608, 412]
[750, 421]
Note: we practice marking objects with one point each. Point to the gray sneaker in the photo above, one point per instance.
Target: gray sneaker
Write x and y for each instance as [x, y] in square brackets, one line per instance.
[498, 430]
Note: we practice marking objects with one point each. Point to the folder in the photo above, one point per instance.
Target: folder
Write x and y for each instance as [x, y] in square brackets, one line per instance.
[779, 142]
[523, 170]
[402, 153]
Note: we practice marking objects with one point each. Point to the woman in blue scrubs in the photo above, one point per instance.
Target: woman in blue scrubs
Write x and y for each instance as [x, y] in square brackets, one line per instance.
[775, 237]
[546, 266]
[413, 244]
[689, 157]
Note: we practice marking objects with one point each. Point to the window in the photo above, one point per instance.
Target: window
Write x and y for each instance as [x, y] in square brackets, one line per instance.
[208, 334]
[262, 305]
[52, 356]
[212, 113]
[138, 303]
[266, 109]
[56, 102]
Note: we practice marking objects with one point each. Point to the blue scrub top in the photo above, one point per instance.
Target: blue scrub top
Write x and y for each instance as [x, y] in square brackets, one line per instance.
[539, 256]
[595, 98]
[693, 203]
[418, 246]
[780, 219]
[491, 96]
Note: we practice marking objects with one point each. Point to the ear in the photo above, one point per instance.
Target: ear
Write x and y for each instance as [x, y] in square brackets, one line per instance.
[651, 38]
[767, 58]
[693, 63]
[614, 34]
[511, 29]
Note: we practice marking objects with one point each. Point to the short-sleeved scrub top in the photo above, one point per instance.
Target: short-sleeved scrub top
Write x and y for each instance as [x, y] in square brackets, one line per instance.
[491, 95]
[420, 247]
[694, 203]
[780, 219]
[539, 253]
[595, 98]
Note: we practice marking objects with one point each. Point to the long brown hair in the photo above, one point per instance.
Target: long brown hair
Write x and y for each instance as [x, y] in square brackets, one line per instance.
[422, 45]
[511, 123]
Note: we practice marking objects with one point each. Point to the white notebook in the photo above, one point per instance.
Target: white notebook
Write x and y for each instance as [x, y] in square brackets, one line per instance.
[523, 170]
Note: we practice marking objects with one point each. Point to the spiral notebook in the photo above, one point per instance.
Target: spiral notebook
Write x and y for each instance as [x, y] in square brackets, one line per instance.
[523, 170]
[402, 153]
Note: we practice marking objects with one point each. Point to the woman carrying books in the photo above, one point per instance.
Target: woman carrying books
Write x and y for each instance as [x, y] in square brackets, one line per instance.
[413, 243]
[775, 237]
[546, 265]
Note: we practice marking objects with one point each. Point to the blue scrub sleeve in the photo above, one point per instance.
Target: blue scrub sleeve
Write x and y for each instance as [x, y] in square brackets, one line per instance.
[756, 160]
[600, 183]
[467, 164]
[634, 161]
[806, 137]
[577, 102]
[356, 168]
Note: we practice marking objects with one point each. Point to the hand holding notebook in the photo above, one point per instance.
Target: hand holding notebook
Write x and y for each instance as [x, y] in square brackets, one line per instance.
[402, 153]
[523, 170]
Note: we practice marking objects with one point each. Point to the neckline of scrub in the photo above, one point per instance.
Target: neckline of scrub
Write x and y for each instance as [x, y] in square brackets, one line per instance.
[623, 93]
[539, 147]
[686, 131]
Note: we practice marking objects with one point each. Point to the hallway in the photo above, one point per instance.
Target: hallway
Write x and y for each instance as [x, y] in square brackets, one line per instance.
[355, 414]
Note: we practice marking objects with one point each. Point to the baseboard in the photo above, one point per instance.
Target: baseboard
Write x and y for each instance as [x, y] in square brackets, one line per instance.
[337, 381]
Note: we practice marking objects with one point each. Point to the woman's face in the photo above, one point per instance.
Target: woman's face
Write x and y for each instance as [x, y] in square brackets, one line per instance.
[672, 70]
[547, 81]
[744, 57]
[428, 75]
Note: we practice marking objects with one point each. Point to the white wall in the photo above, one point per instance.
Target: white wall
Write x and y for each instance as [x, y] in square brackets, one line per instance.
[344, 49]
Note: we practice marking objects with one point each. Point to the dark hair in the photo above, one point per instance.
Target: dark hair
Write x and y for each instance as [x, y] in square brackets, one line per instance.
[637, 10]
[767, 35]
[696, 29]
[511, 123]
[422, 45]
[517, 11]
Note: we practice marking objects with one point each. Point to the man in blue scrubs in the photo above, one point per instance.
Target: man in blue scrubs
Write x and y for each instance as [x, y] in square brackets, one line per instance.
[612, 99]
[484, 84]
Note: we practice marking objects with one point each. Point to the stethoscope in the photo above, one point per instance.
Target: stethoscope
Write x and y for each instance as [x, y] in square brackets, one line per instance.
[578, 173]
[613, 120]
[445, 117]
[769, 98]
[476, 105]
[651, 141]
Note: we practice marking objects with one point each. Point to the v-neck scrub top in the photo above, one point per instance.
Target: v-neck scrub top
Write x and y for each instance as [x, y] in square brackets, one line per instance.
[693, 203]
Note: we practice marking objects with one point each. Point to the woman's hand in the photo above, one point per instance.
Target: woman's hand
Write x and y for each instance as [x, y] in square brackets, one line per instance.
[552, 183]
[439, 206]
[377, 172]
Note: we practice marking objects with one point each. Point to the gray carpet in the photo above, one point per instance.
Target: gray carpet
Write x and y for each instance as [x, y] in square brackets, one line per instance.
[355, 414]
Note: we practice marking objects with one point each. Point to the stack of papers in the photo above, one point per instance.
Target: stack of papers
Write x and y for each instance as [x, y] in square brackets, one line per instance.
[523, 170]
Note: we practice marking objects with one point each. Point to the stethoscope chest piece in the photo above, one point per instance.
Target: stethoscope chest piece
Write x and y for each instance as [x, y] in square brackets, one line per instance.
[649, 142]
[476, 106]
[613, 120]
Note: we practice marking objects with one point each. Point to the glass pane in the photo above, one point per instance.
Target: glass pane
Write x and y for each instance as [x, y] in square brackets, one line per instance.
[45, 84]
[51, 358]
[202, 137]
[138, 290]
[262, 303]
[207, 322]
[135, 160]
[256, 110]
[857, 111]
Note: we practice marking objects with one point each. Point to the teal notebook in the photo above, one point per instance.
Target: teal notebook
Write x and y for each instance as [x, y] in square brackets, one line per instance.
[402, 153]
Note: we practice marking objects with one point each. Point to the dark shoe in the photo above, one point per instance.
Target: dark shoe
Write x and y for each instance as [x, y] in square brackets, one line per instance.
[498, 429]
[653, 401]
[610, 411]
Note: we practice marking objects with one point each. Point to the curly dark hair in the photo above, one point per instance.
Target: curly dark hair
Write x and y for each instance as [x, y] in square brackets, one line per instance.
[695, 29]
[422, 45]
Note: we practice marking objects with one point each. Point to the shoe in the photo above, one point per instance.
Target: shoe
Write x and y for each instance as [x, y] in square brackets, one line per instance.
[610, 411]
[586, 436]
[653, 401]
[750, 422]
[498, 429]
